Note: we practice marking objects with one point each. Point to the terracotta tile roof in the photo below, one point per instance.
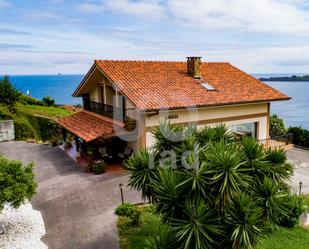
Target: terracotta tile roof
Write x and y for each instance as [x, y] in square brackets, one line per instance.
[152, 85]
[89, 126]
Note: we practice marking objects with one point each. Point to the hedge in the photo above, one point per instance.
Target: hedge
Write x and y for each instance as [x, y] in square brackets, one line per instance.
[300, 136]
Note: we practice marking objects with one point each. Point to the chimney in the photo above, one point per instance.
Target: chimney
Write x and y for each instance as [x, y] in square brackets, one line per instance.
[194, 67]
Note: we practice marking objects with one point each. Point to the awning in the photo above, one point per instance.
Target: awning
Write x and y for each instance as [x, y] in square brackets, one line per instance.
[90, 126]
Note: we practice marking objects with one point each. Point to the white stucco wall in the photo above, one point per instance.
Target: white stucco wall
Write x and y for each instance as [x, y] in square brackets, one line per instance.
[211, 116]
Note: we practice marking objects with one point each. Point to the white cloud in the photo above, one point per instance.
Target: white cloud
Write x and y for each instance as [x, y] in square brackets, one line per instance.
[4, 4]
[140, 8]
[260, 16]
[41, 15]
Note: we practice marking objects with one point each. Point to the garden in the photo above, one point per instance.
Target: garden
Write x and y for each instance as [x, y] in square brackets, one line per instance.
[206, 190]
[33, 118]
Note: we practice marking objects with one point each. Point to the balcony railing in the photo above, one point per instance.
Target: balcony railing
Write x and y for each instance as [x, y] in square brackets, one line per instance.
[110, 111]
[278, 141]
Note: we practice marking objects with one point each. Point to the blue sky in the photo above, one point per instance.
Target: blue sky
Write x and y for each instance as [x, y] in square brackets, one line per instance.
[51, 36]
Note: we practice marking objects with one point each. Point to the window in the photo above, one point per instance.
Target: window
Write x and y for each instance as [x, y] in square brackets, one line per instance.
[247, 129]
[208, 87]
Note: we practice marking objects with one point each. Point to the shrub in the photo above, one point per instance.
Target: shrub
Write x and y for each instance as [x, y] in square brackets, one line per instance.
[294, 205]
[17, 182]
[130, 211]
[8, 93]
[48, 101]
[27, 100]
[234, 193]
[23, 129]
[277, 127]
[300, 136]
[99, 168]
[124, 209]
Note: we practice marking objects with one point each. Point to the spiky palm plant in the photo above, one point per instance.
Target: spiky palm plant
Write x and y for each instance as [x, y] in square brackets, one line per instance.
[143, 171]
[213, 134]
[163, 239]
[167, 137]
[227, 175]
[245, 223]
[198, 227]
[278, 168]
[253, 153]
[169, 194]
[270, 197]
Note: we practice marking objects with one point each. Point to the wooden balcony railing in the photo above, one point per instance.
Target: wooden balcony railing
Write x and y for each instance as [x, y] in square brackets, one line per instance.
[277, 142]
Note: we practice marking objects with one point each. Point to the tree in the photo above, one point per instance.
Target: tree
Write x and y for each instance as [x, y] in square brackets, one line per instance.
[17, 182]
[277, 127]
[48, 101]
[8, 93]
[214, 192]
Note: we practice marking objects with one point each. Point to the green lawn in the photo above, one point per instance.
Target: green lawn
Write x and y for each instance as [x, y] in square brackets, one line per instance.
[131, 238]
[36, 110]
[44, 111]
[285, 238]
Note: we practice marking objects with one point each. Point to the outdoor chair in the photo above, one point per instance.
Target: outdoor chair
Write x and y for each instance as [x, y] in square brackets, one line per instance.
[103, 152]
[126, 153]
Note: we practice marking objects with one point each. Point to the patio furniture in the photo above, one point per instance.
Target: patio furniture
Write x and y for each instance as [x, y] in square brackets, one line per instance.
[103, 152]
[126, 153]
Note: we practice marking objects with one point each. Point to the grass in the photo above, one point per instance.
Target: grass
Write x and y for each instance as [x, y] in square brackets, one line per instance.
[43, 111]
[134, 237]
[36, 110]
[285, 238]
[35, 122]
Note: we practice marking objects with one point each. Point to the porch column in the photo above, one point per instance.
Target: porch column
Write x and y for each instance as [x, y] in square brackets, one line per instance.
[76, 143]
[64, 134]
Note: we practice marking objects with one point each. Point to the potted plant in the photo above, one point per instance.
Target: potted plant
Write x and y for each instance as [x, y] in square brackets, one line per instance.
[99, 167]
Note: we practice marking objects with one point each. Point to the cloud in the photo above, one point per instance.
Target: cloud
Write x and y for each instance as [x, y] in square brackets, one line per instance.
[139, 8]
[4, 4]
[13, 32]
[242, 15]
[41, 15]
[8, 46]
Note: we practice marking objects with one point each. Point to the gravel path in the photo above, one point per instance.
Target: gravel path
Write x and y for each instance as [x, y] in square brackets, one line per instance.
[77, 208]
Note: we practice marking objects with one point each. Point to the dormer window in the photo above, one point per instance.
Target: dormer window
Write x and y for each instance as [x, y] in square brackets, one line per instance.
[208, 87]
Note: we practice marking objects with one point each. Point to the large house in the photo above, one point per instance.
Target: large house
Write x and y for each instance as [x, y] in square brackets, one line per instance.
[124, 100]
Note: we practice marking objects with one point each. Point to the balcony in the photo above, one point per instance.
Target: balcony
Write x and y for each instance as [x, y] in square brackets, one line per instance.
[278, 142]
[128, 115]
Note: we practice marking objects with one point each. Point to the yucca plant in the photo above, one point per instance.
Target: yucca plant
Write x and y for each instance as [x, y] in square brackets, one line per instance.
[169, 194]
[213, 134]
[227, 175]
[253, 153]
[199, 226]
[143, 171]
[245, 223]
[270, 197]
[277, 168]
[163, 239]
[221, 194]
[167, 137]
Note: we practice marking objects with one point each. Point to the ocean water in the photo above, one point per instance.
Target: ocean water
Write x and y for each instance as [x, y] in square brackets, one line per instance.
[294, 112]
[60, 87]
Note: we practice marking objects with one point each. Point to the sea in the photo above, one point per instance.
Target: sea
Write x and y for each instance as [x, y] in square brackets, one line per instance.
[294, 112]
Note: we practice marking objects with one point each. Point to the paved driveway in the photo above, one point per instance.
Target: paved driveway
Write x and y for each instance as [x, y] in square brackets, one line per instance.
[300, 159]
[77, 207]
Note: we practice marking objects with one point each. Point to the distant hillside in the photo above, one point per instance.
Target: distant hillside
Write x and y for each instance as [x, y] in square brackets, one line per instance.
[287, 78]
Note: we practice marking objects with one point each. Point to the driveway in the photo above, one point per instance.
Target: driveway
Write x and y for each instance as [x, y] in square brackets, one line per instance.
[77, 207]
[300, 159]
